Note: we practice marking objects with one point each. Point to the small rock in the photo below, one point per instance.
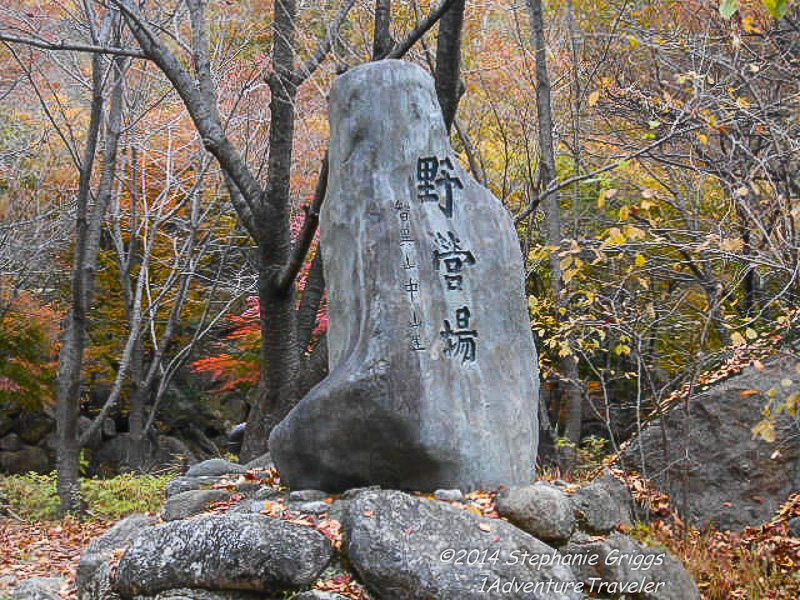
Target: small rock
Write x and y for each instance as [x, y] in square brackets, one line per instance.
[260, 463]
[248, 506]
[265, 492]
[193, 502]
[11, 443]
[231, 551]
[541, 509]
[185, 484]
[794, 527]
[215, 467]
[603, 505]
[94, 569]
[352, 493]
[39, 588]
[314, 508]
[449, 495]
[25, 460]
[307, 496]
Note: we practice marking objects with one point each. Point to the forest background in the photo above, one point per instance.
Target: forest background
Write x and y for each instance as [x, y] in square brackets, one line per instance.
[162, 165]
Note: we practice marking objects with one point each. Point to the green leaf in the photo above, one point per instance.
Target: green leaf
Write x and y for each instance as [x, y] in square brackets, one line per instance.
[728, 7]
[777, 8]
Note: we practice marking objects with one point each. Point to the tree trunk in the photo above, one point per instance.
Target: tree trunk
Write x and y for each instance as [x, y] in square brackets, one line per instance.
[448, 62]
[571, 417]
[382, 38]
[280, 355]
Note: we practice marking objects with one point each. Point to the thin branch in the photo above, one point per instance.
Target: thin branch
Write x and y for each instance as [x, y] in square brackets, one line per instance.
[404, 46]
[316, 59]
[300, 250]
[65, 46]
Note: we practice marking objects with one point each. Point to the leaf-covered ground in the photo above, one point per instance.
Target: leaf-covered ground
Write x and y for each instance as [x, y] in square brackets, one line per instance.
[44, 549]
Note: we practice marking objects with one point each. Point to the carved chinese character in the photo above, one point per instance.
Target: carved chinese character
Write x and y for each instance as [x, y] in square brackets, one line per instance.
[460, 341]
[405, 236]
[414, 322]
[448, 251]
[407, 264]
[412, 287]
[449, 183]
[416, 343]
[427, 182]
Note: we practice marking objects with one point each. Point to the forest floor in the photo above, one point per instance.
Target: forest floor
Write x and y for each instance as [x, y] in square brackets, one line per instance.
[43, 549]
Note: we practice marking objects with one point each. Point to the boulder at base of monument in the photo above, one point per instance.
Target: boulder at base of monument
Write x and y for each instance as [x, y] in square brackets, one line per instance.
[434, 374]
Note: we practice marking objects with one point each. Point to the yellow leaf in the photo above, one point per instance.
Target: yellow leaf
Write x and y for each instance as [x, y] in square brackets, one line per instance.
[792, 403]
[786, 382]
[732, 244]
[765, 430]
[738, 339]
[640, 260]
[594, 97]
[751, 334]
[624, 213]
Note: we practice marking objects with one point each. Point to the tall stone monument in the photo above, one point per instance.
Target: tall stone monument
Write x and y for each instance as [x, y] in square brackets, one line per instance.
[433, 372]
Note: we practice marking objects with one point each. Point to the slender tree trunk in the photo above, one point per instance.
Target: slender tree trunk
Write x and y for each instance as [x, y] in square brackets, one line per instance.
[552, 208]
[448, 61]
[280, 356]
[382, 38]
[71, 355]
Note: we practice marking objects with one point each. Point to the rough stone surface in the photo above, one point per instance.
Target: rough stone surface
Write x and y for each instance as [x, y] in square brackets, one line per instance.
[621, 561]
[193, 502]
[24, 460]
[735, 480]
[406, 404]
[92, 579]
[229, 552]
[39, 588]
[215, 467]
[542, 510]
[11, 443]
[260, 463]
[449, 495]
[307, 496]
[396, 544]
[603, 505]
[185, 484]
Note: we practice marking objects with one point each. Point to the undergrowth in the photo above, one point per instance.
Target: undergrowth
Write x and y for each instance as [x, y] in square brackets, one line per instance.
[33, 497]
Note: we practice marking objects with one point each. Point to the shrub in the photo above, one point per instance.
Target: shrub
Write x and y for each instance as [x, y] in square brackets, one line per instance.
[34, 497]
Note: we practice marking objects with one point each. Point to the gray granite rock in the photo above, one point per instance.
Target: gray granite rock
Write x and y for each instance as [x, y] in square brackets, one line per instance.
[185, 484]
[433, 372]
[541, 509]
[736, 479]
[39, 588]
[603, 505]
[307, 496]
[215, 467]
[228, 552]
[405, 547]
[260, 463]
[618, 563]
[11, 443]
[193, 502]
[92, 579]
[449, 495]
